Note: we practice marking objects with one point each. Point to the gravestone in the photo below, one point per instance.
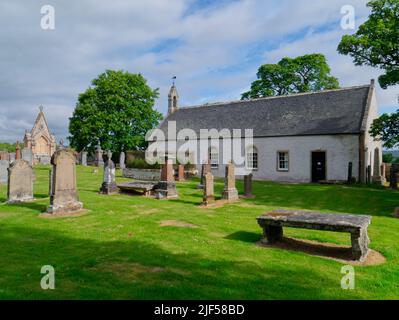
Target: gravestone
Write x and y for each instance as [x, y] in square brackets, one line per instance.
[248, 186]
[20, 182]
[180, 173]
[350, 173]
[166, 188]
[12, 156]
[98, 158]
[4, 155]
[394, 176]
[230, 192]
[63, 193]
[109, 183]
[383, 173]
[18, 154]
[4, 164]
[209, 194]
[205, 168]
[83, 160]
[122, 158]
[377, 178]
[368, 175]
[27, 155]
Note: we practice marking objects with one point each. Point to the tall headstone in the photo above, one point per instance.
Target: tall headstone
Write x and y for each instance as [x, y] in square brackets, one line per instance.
[230, 192]
[248, 186]
[20, 182]
[98, 158]
[27, 155]
[166, 188]
[122, 159]
[4, 164]
[377, 178]
[209, 194]
[205, 168]
[83, 158]
[383, 173]
[109, 183]
[180, 173]
[18, 154]
[63, 191]
[350, 173]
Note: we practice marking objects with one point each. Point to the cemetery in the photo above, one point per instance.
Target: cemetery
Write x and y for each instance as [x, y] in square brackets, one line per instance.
[114, 237]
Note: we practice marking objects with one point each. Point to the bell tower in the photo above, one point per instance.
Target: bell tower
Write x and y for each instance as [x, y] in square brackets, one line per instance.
[173, 99]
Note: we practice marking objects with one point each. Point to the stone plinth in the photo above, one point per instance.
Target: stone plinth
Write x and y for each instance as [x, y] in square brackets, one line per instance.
[20, 182]
[272, 224]
[63, 192]
[209, 194]
[166, 188]
[230, 192]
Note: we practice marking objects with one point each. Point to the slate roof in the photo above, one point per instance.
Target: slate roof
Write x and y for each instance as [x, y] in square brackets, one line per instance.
[327, 112]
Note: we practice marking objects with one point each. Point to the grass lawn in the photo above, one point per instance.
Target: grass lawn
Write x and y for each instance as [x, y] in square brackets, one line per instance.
[120, 250]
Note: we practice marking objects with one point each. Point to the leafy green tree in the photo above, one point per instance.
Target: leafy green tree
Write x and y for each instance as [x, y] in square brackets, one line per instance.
[306, 73]
[386, 128]
[376, 43]
[5, 146]
[117, 110]
[387, 158]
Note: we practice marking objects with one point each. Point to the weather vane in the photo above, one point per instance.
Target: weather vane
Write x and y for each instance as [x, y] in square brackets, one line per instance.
[41, 108]
[174, 78]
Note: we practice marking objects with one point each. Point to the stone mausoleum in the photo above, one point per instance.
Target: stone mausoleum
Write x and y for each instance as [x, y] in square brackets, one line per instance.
[40, 140]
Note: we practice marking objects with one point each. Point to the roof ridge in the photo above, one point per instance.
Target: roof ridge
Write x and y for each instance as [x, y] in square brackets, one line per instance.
[215, 104]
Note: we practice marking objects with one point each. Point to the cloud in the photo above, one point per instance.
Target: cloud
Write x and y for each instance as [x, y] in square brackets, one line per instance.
[213, 47]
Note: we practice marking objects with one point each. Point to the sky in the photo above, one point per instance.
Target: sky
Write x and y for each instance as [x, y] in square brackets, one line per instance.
[213, 47]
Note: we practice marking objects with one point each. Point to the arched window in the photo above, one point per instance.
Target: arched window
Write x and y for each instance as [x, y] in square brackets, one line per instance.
[214, 157]
[252, 158]
[174, 102]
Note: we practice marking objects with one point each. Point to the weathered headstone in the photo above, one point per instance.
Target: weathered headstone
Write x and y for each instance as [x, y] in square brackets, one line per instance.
[350, 173]
[209, 194]
[248, 186]
[63, 191]
[180, 173]
[20, 182]
[109, 183]
[383, 173]
[166, 188]
[18, 154]
[98, 158]
[27, 155]
[377, 178]
[368, 175]
[4, 155]
[205, 168]
[230, 192]
[83, 156]
[122, 158]
[4, 164]
[394, 176]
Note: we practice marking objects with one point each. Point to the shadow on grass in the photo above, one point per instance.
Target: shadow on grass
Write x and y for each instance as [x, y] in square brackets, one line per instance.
[244, 236]
[31, 205]
[134, 269]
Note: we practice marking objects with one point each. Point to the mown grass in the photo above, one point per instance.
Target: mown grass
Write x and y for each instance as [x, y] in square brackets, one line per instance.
[119, 250]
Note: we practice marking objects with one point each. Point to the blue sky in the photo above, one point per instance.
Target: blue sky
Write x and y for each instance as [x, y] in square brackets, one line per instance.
[213, 47]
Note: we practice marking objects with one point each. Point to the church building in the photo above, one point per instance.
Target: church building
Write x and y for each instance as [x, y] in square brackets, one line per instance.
[40, 140]
[307, 137]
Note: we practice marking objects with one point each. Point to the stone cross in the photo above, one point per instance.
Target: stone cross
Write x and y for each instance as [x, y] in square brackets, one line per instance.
[248, 186]
[63, 190]
[209, 194]
[109, 183]
[230, 192]
[20, 182]
[122, 158]
[180, 173]
[4, 164]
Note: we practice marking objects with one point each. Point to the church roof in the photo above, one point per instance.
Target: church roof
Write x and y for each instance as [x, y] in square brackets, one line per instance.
[326, 112]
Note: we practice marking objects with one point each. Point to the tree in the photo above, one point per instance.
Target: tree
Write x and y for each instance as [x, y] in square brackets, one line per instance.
[117, 110]
[292, 75]
[376, 43]
[387, 158]
[386, 128]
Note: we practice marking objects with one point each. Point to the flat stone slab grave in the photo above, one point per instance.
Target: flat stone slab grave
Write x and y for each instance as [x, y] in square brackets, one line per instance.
[273, 222]
[143, 187]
